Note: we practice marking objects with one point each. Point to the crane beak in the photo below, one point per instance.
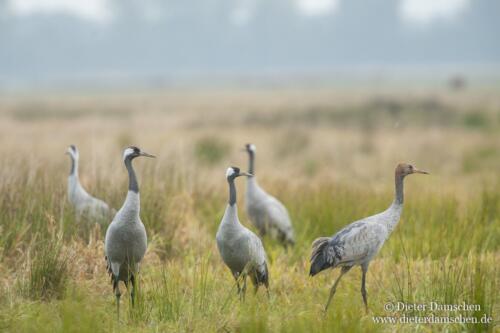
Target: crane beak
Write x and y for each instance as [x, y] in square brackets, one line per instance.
[420, 171]
[245, 174]
[146, 154]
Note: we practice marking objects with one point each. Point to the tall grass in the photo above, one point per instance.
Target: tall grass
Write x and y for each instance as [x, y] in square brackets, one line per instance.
[48, 271]
[330, 165]
[188, 291]
[441, 251]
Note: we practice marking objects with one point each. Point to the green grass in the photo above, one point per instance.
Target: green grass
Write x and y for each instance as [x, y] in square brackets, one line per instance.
[440, 251]
[329, 160]
[48, 271]
[211, 150]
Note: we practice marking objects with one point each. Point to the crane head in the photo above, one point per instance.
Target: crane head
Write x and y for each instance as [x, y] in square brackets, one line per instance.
[72, 151]
[233, 172]
[132, 152]
[249, 148]
[405, 169]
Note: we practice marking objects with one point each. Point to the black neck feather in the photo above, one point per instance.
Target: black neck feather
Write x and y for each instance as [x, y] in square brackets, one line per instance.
[399, 189]
[73, 165]
[251, 162]
[132, 179]
[232, 192]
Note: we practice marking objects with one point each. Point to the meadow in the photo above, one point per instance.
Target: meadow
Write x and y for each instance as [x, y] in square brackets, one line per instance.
[328, 154]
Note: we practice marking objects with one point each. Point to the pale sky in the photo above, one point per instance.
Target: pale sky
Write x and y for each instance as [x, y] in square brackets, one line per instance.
[316, 7]
[45, 41]
[423, 12]
[419, 12]
[94, 10]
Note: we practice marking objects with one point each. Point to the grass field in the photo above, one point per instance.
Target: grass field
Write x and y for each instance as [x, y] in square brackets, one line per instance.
[329, 155]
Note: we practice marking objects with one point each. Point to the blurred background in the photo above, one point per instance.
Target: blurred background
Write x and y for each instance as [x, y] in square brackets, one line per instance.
[161, 43]
[318, 85]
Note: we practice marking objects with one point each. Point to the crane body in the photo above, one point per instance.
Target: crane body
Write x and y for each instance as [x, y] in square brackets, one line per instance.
[241, 250]
[126, 239]
[359, 242]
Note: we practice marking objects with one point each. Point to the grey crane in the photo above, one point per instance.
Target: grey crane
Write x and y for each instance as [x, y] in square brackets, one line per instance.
[241, 250]
[84, 203]
[126, 239]
[357, 243]
[266, 212]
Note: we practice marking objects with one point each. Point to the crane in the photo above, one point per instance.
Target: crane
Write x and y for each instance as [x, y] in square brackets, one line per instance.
[266, 212]
[126, 240]
[241, 250]
[359, 242]
[84, 203]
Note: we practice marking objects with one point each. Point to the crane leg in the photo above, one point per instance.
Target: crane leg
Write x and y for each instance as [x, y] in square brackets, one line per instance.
[133, 291]
[244, 289]
[344, 270]
[364, 269]
[244, 274]
[116, 287]
[237, 279]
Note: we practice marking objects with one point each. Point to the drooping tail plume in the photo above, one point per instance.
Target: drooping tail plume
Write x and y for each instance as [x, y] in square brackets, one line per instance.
[321, 259]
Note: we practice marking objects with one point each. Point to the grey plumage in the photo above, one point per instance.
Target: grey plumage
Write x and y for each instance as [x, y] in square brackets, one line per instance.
[126, 239]
[241, 250]
[266, 212]
[84, 204]
[357, 243]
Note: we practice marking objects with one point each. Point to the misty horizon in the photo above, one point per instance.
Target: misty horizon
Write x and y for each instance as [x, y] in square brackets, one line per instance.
[115, 42]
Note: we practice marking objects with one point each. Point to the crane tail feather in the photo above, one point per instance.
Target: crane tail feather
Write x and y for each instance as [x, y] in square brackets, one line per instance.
[264, 278]
[260, 276]
[320, 258]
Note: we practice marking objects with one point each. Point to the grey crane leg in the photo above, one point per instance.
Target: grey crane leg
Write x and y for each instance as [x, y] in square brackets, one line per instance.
[244, 275]
[364, 269]
[132, 292]
[244, 289]
[117, 294]
[237, 279]
[344, 270]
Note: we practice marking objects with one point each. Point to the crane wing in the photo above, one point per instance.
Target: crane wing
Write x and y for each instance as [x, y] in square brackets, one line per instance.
[278, 213]
[357, 242]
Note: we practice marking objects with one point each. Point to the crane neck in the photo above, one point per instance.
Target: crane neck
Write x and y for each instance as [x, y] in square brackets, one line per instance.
[232, 192]
[132, 179]
[399, 193]
[132, 207]
[74, 166]
[252, 182]
[251, 162]
[230, 219]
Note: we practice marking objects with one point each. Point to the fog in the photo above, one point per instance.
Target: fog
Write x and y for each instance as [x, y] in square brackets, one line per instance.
[54, 42]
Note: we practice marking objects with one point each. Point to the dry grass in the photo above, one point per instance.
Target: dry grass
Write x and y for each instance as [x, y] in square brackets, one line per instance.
[328, 155]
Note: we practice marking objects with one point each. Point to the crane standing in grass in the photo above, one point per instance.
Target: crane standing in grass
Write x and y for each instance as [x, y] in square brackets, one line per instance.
[84, 203]
[241, 250]
[126, 239]
[266, 212]
[357, 243]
